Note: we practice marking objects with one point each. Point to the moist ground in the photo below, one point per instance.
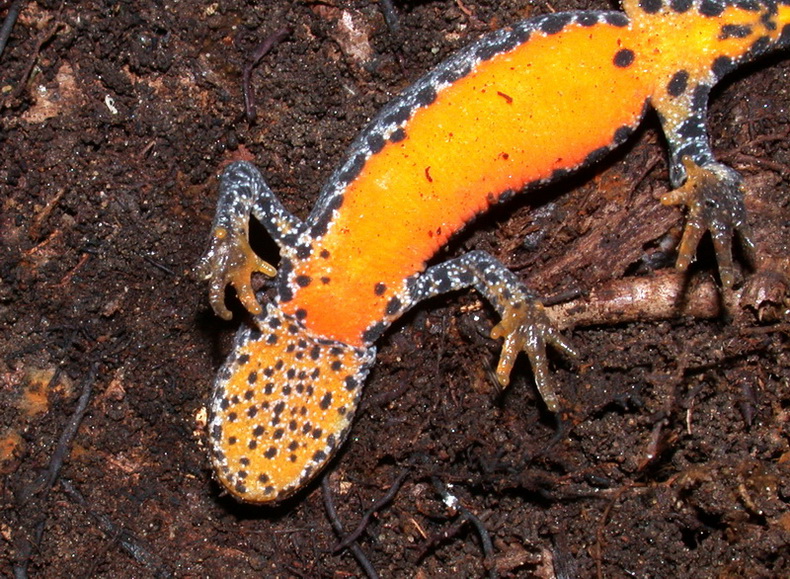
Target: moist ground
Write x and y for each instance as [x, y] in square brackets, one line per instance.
[671, 457]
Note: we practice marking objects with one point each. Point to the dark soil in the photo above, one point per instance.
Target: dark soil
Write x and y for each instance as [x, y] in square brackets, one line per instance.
[672, 458]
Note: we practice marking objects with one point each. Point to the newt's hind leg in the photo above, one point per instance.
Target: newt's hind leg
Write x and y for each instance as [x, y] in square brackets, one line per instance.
[524, 324]
[229, 259]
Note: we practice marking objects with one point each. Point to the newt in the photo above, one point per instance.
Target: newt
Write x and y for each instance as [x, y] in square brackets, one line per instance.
[518, 108]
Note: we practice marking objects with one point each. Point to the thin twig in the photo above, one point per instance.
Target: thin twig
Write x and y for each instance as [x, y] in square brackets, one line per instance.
[42, 39]
[8, 23]
[159, 266]
[452, 501]
[66, 438]
[334, 520]
[376, 506]
[246, 85]
[390, 16]
[47, 479]
[42, 485]
[128, 542]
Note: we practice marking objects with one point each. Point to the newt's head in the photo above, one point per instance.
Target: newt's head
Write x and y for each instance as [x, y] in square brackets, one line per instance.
[281, 407]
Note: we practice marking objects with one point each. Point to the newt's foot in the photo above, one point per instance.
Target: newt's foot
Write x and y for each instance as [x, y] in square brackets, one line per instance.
[526, 328]
[713, 195]
[230, 260]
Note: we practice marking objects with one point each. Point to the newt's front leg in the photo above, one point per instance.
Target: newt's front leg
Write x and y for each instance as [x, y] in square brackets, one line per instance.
[713, 195]
[711, 191]
[524, 325]
[229, 259]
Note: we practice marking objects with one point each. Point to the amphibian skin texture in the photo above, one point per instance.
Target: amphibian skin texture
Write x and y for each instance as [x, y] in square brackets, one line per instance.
[518, 108]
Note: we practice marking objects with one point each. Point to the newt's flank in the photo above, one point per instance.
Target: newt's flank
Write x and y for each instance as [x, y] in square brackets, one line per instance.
[518, 108]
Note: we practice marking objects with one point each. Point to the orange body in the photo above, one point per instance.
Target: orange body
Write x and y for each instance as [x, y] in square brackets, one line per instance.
[516, 109]
[514, 121]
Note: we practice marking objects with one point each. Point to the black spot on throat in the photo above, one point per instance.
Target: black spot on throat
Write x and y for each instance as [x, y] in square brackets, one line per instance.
[677, 86]
[624, 58]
